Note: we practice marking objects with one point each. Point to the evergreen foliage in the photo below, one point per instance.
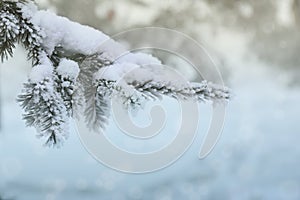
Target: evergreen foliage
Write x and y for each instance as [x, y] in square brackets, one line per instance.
[63, 81]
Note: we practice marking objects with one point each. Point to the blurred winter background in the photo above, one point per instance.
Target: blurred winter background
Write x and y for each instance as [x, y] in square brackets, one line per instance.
[256, 44]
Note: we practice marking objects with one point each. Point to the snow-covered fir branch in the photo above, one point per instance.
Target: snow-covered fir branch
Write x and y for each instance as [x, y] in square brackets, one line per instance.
[43, 106]
[76, 67]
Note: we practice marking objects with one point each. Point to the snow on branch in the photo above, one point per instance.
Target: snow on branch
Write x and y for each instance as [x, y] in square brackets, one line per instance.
[77, 67]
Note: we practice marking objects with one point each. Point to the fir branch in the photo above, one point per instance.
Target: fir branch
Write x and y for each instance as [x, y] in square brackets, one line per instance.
[135, 93]
[66, 88]
[203, 91]
[9, 31]
[66, 74]
[15, 28]
[96, 105]
[151, 90]
[45, 111]
[97, 110]
[50, 102]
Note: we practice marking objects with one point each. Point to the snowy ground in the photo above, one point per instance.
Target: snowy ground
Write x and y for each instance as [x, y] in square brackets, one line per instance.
[257, 156]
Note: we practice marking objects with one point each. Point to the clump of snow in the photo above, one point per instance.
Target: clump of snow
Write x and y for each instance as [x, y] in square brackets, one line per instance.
[68, 68]
[43, 57]
[71, 35]
[28, 9]
[131, 72]
[135, 67]
[78, 38]
[40, 72]
[139, 59]
[115, 72]
[111, 49]
[157, 73]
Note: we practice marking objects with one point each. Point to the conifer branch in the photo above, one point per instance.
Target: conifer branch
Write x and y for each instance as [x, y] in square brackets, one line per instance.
[65, 75]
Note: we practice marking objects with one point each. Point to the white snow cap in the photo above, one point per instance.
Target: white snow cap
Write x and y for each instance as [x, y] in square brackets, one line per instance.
[131, 65]
[40, 72]
[139, 59]
[28, 9]
[68, 68]
[71, 35]
[115, 72]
